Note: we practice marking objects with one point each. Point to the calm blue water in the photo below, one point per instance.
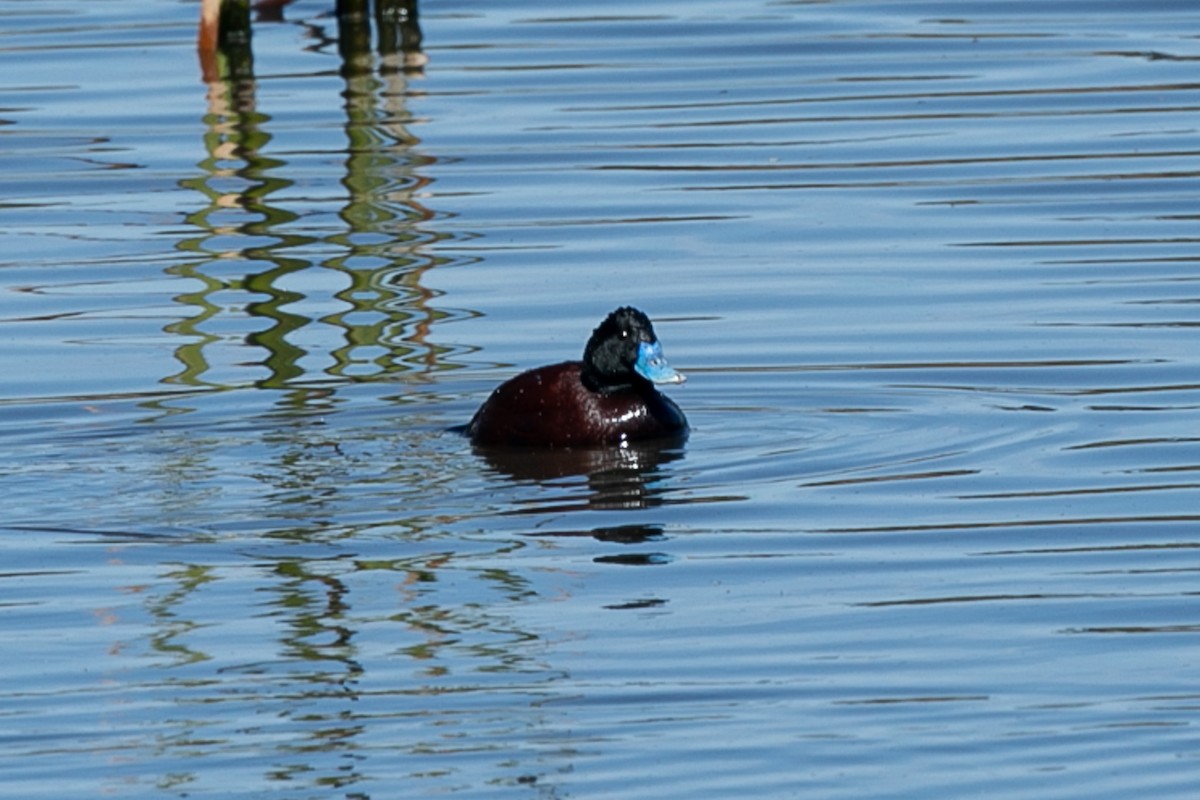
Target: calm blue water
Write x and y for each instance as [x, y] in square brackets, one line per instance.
[933, 271]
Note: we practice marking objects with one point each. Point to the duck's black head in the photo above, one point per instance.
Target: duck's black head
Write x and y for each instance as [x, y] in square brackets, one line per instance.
[624, 351]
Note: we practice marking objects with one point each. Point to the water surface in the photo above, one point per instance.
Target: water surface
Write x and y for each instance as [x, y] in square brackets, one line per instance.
[932, 270]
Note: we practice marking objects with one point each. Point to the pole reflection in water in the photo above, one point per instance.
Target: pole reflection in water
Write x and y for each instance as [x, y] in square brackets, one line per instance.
[383, 180]
[273, 259]
[328, 292]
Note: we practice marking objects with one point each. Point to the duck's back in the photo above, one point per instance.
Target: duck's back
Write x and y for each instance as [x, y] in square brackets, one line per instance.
[551, 407]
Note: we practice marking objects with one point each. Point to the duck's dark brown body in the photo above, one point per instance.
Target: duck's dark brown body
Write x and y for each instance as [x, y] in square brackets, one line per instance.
[551, 407]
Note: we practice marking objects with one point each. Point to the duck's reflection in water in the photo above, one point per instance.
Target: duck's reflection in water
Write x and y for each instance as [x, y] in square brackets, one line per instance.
[601, 479]
[612, 478]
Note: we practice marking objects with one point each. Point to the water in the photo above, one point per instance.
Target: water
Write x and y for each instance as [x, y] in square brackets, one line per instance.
[931, 269]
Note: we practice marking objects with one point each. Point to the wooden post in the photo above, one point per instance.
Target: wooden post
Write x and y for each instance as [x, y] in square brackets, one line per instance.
[224, 29]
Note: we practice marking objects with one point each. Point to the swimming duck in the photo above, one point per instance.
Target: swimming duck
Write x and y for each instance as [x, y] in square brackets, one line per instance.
[606, 399]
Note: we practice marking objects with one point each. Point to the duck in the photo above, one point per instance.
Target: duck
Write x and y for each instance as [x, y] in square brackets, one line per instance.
[606, 399]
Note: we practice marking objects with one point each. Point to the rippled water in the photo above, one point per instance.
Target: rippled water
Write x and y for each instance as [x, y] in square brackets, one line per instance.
[933, 270]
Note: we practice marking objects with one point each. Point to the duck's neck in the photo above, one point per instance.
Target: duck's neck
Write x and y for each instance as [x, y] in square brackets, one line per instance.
[607, 384]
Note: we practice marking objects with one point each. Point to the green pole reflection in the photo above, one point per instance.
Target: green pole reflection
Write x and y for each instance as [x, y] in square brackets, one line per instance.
[263, 252]
[382, 313]
[382, 179]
